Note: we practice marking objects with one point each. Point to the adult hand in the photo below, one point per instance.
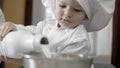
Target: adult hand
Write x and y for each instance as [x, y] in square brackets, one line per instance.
[6, 28]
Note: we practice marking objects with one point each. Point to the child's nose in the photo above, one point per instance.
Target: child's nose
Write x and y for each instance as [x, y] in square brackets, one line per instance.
[68, 13]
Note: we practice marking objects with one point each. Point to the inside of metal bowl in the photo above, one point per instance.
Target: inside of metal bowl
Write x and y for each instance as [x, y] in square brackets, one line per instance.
[56, 61]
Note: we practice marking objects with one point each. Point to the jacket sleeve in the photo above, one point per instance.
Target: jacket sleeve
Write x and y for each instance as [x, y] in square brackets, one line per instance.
[32, 28]
[79, 46]
[2, 19]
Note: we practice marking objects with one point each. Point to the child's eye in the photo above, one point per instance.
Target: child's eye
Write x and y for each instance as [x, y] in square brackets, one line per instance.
[77, 10]
[63, 6]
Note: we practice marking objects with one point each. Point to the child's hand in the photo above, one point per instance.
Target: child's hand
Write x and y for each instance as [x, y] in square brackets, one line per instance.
[6, 28]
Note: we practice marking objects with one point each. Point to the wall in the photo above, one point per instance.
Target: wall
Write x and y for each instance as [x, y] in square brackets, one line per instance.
[14, 10]
[102, 44]
[38, 12]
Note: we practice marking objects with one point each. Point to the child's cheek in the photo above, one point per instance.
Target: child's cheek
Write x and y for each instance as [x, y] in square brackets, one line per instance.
[58, 15]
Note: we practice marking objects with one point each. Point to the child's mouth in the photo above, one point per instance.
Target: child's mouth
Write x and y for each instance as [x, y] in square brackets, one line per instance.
[65, 21]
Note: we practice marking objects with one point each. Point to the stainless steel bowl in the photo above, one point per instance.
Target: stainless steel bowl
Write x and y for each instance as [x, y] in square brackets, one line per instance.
[37, 60]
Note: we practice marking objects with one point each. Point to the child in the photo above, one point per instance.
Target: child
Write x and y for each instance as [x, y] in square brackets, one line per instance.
[67, 33]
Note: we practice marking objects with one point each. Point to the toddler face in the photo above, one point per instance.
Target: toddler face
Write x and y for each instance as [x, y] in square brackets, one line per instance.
[69, 13]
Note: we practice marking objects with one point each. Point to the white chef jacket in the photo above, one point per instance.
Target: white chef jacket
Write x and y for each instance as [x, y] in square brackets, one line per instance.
[2, 20]
[62, 40]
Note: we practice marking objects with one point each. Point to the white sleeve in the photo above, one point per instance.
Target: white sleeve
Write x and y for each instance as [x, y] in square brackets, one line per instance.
[79, 46]
[2, 19]
[31, 28]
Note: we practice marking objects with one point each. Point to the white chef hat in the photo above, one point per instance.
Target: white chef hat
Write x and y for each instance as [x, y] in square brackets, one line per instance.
[99, 12]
